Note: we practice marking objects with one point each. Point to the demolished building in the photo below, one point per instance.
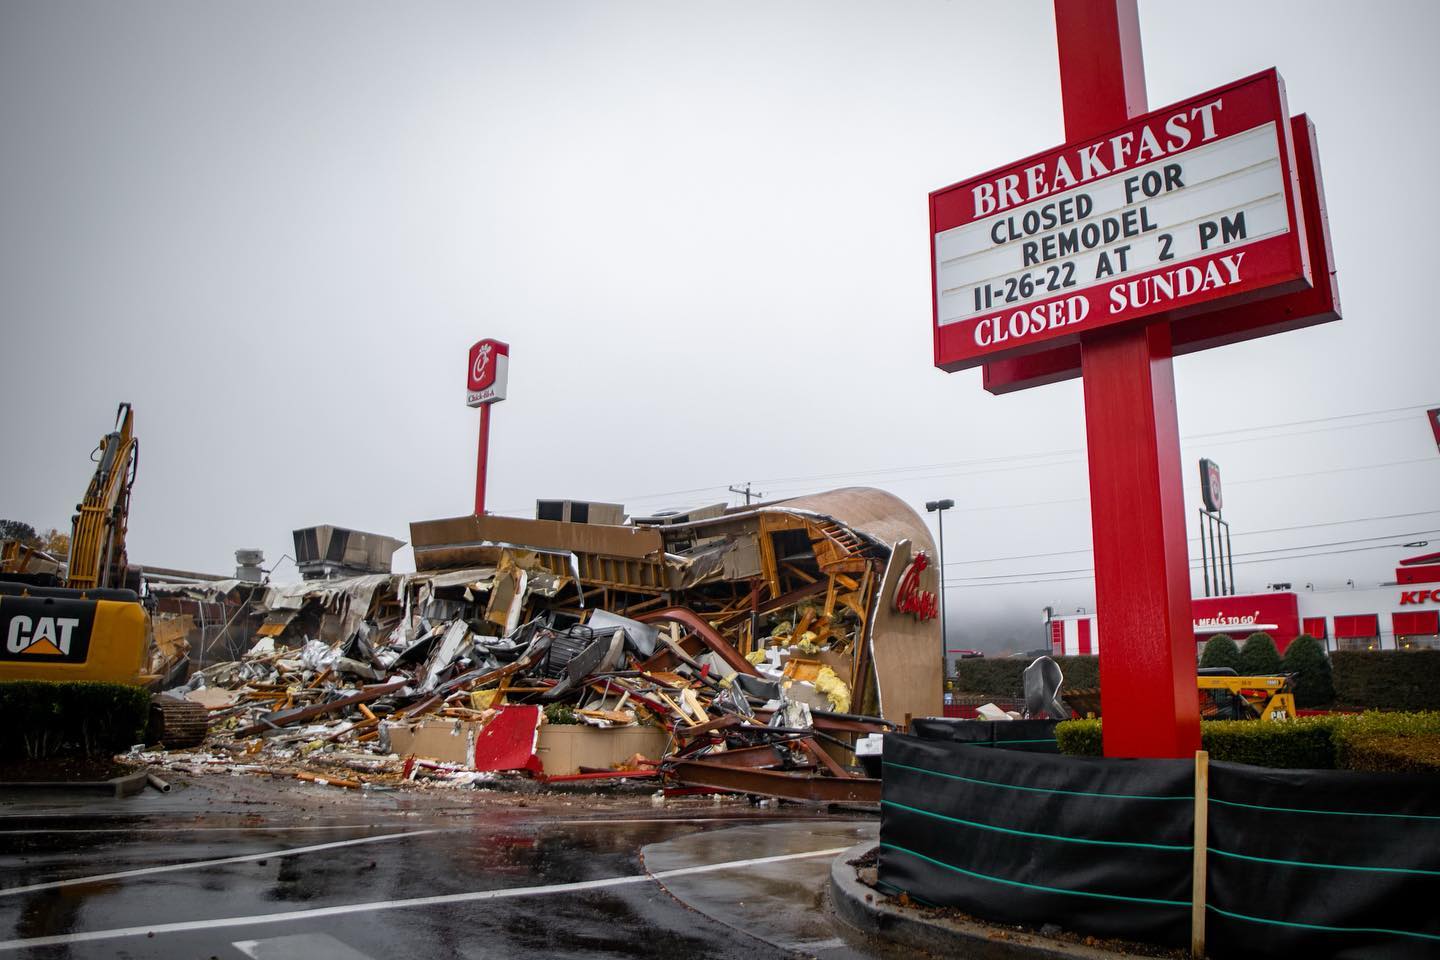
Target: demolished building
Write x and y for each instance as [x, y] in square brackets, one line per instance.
[755, 644]
[829, 564]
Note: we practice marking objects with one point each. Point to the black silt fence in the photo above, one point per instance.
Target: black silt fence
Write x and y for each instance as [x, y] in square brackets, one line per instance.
[1027, 736]
[1334, 864]
[1328, 862]
[1097, 846]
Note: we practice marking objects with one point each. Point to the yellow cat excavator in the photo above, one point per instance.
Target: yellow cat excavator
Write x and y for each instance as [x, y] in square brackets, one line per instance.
[90, 624]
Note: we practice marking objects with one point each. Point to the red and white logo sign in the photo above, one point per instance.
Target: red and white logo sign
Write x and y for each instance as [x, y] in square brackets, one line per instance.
[909, 597]
[1434, 416]
[489, 368]
[1169, 213]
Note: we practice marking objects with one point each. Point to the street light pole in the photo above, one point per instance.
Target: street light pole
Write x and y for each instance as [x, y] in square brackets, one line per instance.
[939, 507]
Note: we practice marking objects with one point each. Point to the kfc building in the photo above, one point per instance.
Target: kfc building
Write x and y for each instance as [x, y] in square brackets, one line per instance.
[1403, 615]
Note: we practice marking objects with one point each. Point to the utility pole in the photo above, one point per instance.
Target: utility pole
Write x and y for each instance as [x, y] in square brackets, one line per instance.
[745, 491]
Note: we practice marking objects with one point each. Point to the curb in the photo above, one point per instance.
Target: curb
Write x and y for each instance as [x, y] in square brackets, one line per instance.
[867, 911]
[128, 785]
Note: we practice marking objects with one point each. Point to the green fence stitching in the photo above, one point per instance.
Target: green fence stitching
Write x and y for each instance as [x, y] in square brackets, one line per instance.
[1011, 786]
[1328, 813]
[1187, 848]
[1036, 886]
[1319, 926]
[1324, 866]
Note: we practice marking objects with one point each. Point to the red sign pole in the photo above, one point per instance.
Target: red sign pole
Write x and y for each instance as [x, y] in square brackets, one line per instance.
[481, 457]
[1137, 510]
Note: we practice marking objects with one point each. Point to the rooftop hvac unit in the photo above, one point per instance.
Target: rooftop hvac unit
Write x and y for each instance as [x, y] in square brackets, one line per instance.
[668, 518]
[580, 511]
[327, 552]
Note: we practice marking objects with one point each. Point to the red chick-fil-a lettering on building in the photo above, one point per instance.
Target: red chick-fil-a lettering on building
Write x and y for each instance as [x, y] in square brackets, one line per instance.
[910, 598]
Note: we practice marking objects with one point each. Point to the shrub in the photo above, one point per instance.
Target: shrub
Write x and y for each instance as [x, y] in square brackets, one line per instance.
[1307, 660]
[1381, 753]
[1004, 676]
[1394, 742]
[1079, 738]
[66, 718]
[1258, 657]
[1305, 743]
[1220, 651]
[1387, 679]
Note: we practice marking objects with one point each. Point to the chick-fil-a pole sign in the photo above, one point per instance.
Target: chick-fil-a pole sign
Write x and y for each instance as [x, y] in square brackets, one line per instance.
[485, 381]
[486, 377]
[1173, 211]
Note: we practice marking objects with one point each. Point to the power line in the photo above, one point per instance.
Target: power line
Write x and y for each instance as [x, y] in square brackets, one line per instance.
[1070, 455]
[1195, 566]
[1242, 533]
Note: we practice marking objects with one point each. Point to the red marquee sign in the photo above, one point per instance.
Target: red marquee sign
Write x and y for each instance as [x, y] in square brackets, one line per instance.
[1167, 214]
[1192, 332]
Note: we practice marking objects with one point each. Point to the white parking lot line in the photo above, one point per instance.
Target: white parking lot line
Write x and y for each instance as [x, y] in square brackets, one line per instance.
[194, 864]
[343, 909]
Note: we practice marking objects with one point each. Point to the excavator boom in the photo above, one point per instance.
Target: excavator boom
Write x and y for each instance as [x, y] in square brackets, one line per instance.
[97, 538]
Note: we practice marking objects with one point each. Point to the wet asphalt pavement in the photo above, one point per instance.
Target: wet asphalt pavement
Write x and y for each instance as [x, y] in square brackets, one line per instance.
[396, 875]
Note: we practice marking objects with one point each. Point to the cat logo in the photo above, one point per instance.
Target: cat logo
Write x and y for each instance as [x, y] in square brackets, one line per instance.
[40, 636]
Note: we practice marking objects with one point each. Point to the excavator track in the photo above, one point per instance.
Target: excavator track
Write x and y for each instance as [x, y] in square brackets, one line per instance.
[176, 723]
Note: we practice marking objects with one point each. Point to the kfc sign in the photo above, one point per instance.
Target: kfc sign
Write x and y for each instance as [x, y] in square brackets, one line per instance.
[489, 367]
[1419, 596]
[1169, 213]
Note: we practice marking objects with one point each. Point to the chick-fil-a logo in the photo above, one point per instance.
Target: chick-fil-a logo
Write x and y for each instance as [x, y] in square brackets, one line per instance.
[909, 597]
[482, 363]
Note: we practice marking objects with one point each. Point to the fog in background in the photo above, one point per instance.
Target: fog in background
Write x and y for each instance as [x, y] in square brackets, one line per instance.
[275, 228]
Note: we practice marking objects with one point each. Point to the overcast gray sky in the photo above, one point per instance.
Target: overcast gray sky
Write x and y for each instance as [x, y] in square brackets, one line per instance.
[276, 227]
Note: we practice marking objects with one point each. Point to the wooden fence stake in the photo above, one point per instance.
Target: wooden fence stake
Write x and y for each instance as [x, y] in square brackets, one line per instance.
[1197, 881]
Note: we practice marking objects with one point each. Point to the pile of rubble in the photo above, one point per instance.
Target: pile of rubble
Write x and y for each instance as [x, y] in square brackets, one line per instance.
[773, 723]
[737, 649]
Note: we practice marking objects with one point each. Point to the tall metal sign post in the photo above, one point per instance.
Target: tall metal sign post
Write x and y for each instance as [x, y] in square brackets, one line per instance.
[485, 381]
[1198, 224]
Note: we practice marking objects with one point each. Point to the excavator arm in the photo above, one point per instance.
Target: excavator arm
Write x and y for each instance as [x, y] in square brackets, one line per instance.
[97, 538]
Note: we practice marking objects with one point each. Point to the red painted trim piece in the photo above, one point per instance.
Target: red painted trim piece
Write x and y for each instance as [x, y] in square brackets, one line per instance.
[1083, 634]
[1426, 574]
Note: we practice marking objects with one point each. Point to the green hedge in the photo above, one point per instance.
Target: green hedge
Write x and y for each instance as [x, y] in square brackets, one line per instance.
[1387, 679]
[1307, 661]
[1378, 680]
[1004, 676]
[1381, 753]
[1370, 741]
[49, 719]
